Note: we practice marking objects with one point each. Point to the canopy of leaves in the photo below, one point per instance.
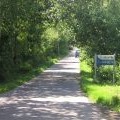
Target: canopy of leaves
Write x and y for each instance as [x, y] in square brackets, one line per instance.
[29, 33]
[98, 26]
[31, 30]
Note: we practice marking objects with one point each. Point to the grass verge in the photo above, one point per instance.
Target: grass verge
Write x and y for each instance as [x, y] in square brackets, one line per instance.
[107, 95]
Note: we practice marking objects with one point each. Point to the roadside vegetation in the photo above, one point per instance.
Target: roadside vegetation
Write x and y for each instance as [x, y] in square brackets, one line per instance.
[98, 32]
[103, 92]
[33, 35]
[20, 78]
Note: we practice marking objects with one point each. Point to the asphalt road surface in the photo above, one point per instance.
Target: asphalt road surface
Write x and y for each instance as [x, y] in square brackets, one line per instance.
[53, 95]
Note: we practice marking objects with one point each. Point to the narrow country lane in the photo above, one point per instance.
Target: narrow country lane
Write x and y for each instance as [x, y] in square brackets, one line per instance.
[53, 95]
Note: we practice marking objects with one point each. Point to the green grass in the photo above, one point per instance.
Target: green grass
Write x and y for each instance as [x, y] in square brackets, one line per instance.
[20, 78]
[107, 95]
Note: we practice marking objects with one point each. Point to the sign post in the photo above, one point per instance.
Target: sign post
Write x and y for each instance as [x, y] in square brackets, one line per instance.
[104, 60]
[114, 70]
[95, 66]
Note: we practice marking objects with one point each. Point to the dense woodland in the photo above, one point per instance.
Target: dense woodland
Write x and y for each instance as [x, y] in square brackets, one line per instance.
[32, 30]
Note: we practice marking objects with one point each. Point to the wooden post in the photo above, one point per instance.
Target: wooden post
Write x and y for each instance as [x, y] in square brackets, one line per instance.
[58, 48]
[95, 66]
[114, 70]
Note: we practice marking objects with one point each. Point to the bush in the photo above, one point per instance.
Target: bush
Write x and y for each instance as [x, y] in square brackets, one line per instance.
[6, 71]
[118, 74]
[105, 74]
[25, 67]
[115, 101]
[103, 101]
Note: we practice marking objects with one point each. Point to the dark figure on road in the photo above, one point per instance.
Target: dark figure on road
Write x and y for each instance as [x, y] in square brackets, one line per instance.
[77, 53]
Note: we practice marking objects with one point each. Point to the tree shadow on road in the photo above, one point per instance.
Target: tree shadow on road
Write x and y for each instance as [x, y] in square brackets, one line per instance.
[53, 95]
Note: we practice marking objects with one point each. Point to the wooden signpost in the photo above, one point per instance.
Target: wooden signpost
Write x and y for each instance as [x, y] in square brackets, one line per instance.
[104, 60]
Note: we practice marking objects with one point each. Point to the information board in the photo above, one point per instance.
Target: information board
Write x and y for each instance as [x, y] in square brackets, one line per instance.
[105, 60]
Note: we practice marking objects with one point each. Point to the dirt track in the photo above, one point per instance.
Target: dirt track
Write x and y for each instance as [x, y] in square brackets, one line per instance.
[53, 95]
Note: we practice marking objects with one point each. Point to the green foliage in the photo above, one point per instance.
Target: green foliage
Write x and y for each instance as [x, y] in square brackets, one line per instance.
[104, 94]
[115, 101]
[25, 75]
[51, 34]
[30, 32]
[25, 67]
[105, 74]
[98, 26]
